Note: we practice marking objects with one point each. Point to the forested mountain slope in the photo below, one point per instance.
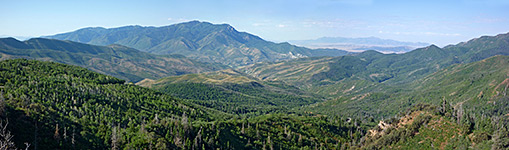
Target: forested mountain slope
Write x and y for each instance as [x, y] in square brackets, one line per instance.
[455, 97]
[438, 127]
[478, 87]
[234, 92]
[116, 60]
[377, 77]
[378, 67]
[55, 106]
[202, 41]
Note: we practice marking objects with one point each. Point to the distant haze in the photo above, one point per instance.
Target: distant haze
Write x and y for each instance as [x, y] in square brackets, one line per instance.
[436, 22]
[361, 44]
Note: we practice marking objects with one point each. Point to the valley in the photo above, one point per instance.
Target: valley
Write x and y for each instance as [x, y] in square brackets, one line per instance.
[198, 85]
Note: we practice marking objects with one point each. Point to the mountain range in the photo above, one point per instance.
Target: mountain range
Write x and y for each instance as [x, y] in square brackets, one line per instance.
[116, 60]
[198, 97]
[202, 41]
[370, 74]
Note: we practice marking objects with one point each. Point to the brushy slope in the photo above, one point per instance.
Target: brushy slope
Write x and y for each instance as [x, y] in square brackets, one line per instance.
[116, 60]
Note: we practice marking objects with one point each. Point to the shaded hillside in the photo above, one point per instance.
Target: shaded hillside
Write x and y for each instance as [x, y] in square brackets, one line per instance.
[116, 60]
[478, 87]
[198, 40]
[376, 84]
[369, 65]
[378, 67]
[55, 106]
[233, 92]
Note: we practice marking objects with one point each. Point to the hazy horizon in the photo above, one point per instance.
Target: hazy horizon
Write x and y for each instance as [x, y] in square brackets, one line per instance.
[435, 22]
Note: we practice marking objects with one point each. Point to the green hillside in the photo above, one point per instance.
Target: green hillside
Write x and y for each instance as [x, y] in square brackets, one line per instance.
[368, 83]
[432, 127]
[477, 87]
[453, 97]
[234, 92]
[116, 60]
[297, 72]
[378, 67]
[202, 41]
[55, 106]
[470, 95]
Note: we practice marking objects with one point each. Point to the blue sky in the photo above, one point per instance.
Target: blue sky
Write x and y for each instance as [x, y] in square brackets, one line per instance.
[440, 22]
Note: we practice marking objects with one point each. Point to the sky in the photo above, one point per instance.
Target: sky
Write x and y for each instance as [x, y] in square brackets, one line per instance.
[440, 22]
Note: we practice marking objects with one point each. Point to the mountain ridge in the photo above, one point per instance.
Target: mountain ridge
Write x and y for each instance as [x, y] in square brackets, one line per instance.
[400, 67]
[117, 60]
[203, 41]
[455, 97]
[374, 75]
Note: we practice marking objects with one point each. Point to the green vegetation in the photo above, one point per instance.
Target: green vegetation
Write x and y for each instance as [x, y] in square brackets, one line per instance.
[432, 127]
[296, 72]
[380, 85]
[202, 41]
[55, 106]
[476, 86]
[234, 92]
[392, 69]
[116, 60]
[434, 98]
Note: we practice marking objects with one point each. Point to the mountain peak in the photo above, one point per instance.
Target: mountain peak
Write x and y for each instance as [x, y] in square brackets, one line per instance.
[46, 40]
[12, 43]
[93, 28]
[370, 53]
[193, 22]
[203, 41]
[433, 46]
[229, 27]
[8, 38]
[40, 40]
[224, 26]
